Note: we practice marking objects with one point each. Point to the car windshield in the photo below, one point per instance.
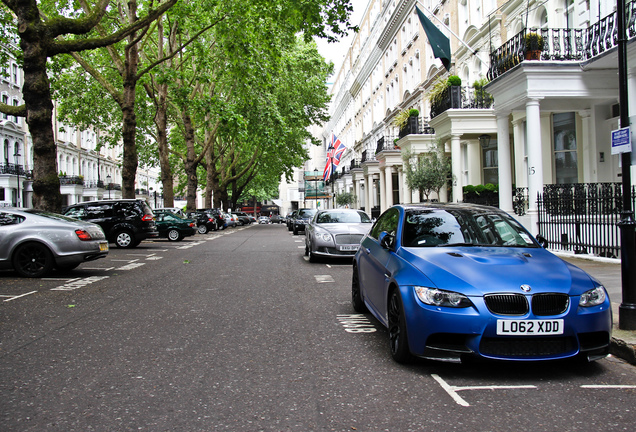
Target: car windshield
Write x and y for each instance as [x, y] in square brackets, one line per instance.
[438, 227]
[307, 213]
[342, 217]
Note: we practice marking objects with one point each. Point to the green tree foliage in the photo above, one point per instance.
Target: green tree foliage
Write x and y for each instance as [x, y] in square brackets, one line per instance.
[46, 29]
[346, 199]
[426, 172]
[228, 92]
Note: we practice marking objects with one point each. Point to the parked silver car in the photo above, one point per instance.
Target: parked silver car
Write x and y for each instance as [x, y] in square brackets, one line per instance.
[33, 242]
[335, 233]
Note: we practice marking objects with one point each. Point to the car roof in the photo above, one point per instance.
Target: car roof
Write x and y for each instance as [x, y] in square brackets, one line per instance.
[449, 206]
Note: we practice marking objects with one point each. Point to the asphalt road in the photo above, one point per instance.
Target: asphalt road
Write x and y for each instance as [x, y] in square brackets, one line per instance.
[237, 331]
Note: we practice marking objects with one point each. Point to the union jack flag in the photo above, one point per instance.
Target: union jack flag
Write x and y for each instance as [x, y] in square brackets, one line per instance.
[339, 149]
[328, 167]
[334, 155]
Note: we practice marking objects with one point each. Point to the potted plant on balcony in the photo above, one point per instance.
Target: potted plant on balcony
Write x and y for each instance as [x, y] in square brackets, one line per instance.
[534, 46]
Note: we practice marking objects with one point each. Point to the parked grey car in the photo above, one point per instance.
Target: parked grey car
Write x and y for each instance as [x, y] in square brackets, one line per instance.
[33, 242]
[335, 233]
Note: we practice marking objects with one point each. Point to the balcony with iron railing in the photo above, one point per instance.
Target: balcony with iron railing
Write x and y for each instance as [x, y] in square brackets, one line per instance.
[562, 44]
[458, 97]
[15, 169]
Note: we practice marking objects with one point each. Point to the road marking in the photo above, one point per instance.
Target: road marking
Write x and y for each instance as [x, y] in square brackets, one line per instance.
[153, 258]
[356, 323]
[131, 266]
[79, 283]
[17, 296]
[452, 390]
[324, 278]
[97, 268]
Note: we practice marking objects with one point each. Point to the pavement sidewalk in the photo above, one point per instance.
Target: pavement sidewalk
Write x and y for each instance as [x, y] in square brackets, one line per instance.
[608, 272]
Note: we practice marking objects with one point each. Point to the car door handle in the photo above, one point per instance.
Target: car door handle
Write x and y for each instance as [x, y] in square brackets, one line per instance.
[367, 250]
[387, 274]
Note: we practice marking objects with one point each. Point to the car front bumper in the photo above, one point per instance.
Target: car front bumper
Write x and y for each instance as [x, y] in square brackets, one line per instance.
[445, 333]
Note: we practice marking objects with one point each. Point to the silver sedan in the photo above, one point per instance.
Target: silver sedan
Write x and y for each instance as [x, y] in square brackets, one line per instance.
[33, 242]
[335, 233]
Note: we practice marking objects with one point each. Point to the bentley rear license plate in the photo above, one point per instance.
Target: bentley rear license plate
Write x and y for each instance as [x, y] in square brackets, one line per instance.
[529, 327]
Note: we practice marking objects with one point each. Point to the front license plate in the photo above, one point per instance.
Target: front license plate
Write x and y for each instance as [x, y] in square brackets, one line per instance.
[103, 247]
[529, 327]
[348, 248]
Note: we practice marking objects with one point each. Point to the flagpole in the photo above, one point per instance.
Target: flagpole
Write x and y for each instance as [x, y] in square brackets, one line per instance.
[451, 32]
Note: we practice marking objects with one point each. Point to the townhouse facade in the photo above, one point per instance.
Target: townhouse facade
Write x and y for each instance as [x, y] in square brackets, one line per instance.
[543, 131]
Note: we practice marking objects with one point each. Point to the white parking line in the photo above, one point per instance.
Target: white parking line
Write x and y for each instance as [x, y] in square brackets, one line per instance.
[452, 390]
[324, 278]
[17, 296]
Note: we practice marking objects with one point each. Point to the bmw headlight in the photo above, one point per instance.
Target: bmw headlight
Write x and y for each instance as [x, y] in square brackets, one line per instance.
[593, 297]
[438, 297]
[324, 237]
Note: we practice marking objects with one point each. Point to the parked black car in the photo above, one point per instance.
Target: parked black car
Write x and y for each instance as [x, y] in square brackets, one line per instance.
[207, 219]
[126, 222]
[302, 218]
[290, 219]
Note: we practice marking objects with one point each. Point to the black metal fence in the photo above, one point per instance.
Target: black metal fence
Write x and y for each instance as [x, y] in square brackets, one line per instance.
[582, 217]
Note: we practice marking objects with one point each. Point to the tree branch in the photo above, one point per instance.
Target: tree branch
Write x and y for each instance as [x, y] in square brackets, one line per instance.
[67, 46]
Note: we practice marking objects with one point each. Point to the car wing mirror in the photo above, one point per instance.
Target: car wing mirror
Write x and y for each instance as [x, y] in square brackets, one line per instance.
[387, 241]
[542, 241]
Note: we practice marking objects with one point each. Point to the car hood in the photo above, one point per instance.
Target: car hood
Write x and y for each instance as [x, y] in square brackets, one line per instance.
[345, 228]
[480, 270]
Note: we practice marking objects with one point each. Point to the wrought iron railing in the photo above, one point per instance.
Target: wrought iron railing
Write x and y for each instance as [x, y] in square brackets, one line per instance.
[563, 43]
[582, 217]
[460, 98]
[15, 169]
[71, 180]
[416, 126]
[367, 156]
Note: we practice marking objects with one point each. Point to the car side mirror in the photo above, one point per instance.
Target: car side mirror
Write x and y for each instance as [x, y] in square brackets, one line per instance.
[387, 241]
[542, 241]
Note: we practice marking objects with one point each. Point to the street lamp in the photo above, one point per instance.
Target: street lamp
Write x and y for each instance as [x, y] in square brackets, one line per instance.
[316, 185]
[16, 155]
[108, 179]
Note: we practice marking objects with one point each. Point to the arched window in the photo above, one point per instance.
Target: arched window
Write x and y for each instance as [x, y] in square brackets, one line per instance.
[6, 151]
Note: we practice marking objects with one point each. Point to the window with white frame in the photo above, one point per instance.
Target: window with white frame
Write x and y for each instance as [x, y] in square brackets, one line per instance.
[565, 148]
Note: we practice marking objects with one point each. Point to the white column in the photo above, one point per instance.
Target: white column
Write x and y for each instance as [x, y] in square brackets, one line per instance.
[382, 191]
[535, 162]
[456, 167]
[504, 163]
[404, 192]
[388, 177]
[368, 187]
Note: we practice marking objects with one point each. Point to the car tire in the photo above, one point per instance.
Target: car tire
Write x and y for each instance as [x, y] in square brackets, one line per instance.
[174, 235]
[306, 249]
[125, 239]
[289, 228]
[202, 229]
[295, 231]
[398, 339]
[32, 260]
[357, 302]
